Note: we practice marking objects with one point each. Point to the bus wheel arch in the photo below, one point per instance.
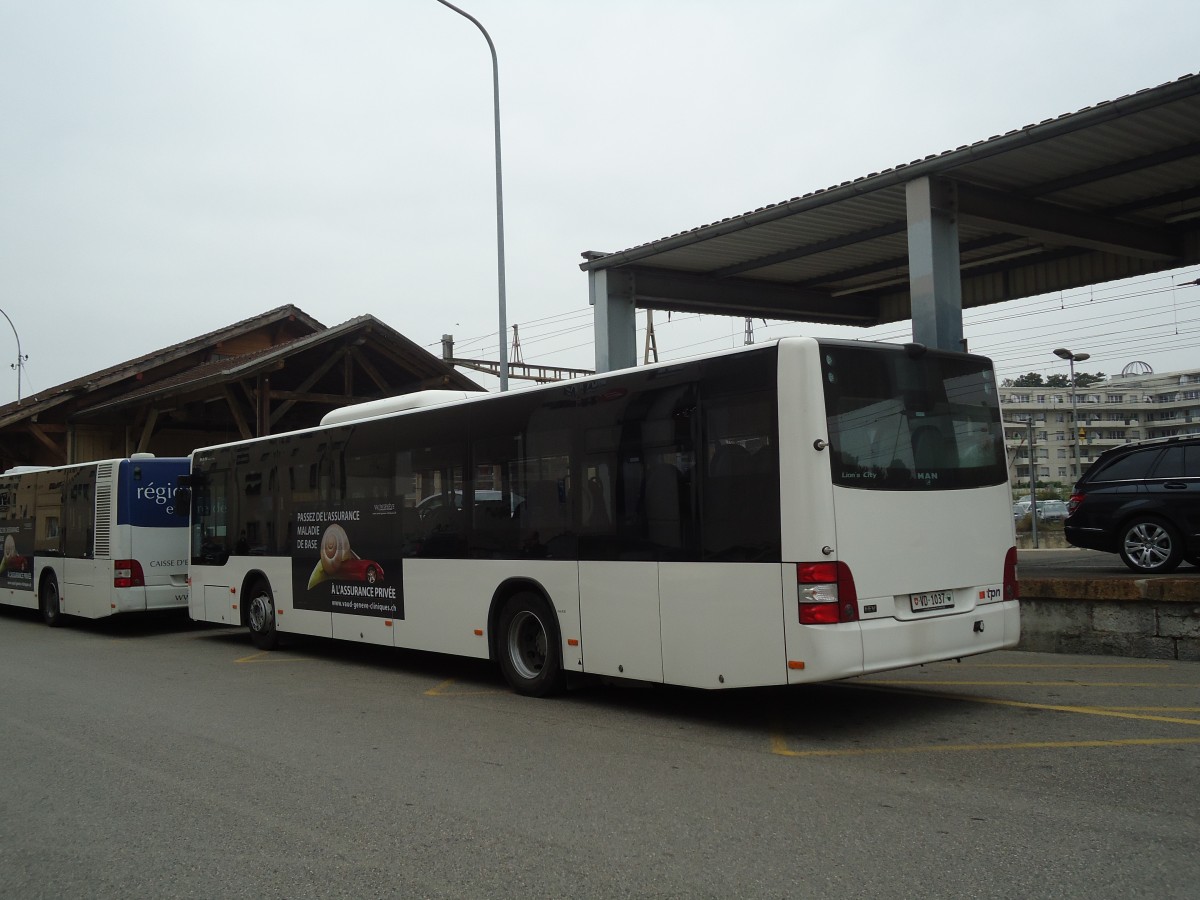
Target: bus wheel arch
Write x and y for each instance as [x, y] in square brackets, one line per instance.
[258, 611]
[525, 639]
[50, 600]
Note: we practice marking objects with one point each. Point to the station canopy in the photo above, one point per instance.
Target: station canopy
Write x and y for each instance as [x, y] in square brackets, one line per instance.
[1108, 192]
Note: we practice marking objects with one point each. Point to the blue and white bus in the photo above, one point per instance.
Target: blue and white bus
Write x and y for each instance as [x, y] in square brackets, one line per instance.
[94, 539]
[793, 512]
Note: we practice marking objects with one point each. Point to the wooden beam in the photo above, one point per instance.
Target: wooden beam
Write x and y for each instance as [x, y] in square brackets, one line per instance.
[264, 405]
[294, 397]
[308, 382]
[38, 432]
[235, 410]
[147, 431]
[367, 366]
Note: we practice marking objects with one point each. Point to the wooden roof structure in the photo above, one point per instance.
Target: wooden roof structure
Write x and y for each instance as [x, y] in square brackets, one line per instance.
[277, 371]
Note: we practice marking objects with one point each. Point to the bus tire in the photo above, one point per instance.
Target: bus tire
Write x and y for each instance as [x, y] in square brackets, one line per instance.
[50, 603]
[528, 646]
[260, 616]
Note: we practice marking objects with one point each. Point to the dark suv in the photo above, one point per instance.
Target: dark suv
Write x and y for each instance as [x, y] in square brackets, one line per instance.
[1141, 500]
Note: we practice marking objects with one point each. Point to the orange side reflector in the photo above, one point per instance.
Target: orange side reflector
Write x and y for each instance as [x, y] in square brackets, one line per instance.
[233, 590]
[233, 606]
[279, 612]
[113, 605]
[387, 623]
[479, 632]
[795, 664]
[572, 642]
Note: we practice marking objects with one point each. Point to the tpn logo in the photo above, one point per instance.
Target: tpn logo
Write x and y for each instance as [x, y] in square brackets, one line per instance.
[989, 593]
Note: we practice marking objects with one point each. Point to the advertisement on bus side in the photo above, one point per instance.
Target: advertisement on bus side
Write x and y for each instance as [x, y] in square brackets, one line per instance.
[16, 566]
[342, 561]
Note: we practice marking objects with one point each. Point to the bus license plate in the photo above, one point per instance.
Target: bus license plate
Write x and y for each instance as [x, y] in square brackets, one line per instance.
[931, 600]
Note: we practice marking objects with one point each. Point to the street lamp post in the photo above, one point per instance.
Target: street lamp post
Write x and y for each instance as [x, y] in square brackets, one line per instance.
[1073, 358]
[499, 194]
[20, 363]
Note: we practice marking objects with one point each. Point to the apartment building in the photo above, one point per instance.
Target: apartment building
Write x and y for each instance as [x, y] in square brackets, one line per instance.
[1135, 405]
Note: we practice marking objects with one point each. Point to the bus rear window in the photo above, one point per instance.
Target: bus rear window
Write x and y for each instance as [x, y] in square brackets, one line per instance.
[903, 422]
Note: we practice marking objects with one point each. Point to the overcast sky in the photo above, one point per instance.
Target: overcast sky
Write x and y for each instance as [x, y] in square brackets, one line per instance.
[168, 167]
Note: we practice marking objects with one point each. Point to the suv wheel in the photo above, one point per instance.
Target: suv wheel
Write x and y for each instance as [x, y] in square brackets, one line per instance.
[1150, 545]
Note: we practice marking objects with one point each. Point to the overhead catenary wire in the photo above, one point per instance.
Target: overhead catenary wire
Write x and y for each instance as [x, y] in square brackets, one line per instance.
[1112, 337]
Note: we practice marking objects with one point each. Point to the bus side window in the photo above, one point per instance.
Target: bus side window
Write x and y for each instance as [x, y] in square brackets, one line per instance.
[79, 514]
[664, 495]
[211, 540]
[438, 492]
[546, 511]
[740, 489]
[596, 499]
[47, 509]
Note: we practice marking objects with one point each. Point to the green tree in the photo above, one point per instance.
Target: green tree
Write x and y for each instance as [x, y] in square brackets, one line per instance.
[1029, 379]
[1083, 379]
[1058, 380]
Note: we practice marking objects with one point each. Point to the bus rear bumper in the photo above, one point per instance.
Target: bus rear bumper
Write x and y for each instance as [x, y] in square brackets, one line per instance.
[152, 597]
[892, 644]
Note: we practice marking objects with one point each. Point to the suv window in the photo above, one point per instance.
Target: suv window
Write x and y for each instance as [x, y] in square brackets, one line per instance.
[1133, 465]
[1179, 462]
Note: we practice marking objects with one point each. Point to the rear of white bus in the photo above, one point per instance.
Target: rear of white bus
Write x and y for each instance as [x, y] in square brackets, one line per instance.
[896, 508]
[150, 570]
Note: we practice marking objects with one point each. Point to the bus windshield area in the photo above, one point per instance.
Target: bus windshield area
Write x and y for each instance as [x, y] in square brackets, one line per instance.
[918, 422]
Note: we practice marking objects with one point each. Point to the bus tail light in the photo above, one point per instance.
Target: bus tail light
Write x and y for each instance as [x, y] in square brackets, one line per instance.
[1012, 590]
[826, 592]
[128, 573]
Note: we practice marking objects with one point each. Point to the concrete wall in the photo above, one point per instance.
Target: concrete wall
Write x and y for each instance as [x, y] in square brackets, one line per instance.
[1151, 618]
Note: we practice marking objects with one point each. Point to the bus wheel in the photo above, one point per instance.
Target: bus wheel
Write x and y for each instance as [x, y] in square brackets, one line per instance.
[48, 602]
[529, 646]
[260, 616]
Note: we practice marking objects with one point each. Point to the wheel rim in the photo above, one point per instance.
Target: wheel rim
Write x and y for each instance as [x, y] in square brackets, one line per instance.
[1148, 545]
[260, 612]
[527, 644]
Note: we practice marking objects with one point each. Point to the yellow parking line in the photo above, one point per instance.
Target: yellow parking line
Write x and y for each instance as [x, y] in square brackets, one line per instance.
[439, 690]
[1082, 710]
[921, 682]
[779, 747]
[1065, 666]
[1116, 713]
[272, 658]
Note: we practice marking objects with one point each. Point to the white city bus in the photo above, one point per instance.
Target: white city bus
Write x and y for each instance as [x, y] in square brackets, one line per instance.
[94, 539]
[793, 512]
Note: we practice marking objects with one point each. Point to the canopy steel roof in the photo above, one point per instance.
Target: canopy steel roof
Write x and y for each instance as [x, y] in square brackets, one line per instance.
[1108, 192]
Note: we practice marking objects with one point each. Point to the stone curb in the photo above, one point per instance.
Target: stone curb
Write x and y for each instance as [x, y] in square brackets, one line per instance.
[1149, 618]
[1162, 588]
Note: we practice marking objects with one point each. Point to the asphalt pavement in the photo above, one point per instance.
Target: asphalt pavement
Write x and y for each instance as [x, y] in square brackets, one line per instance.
[158, 758]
